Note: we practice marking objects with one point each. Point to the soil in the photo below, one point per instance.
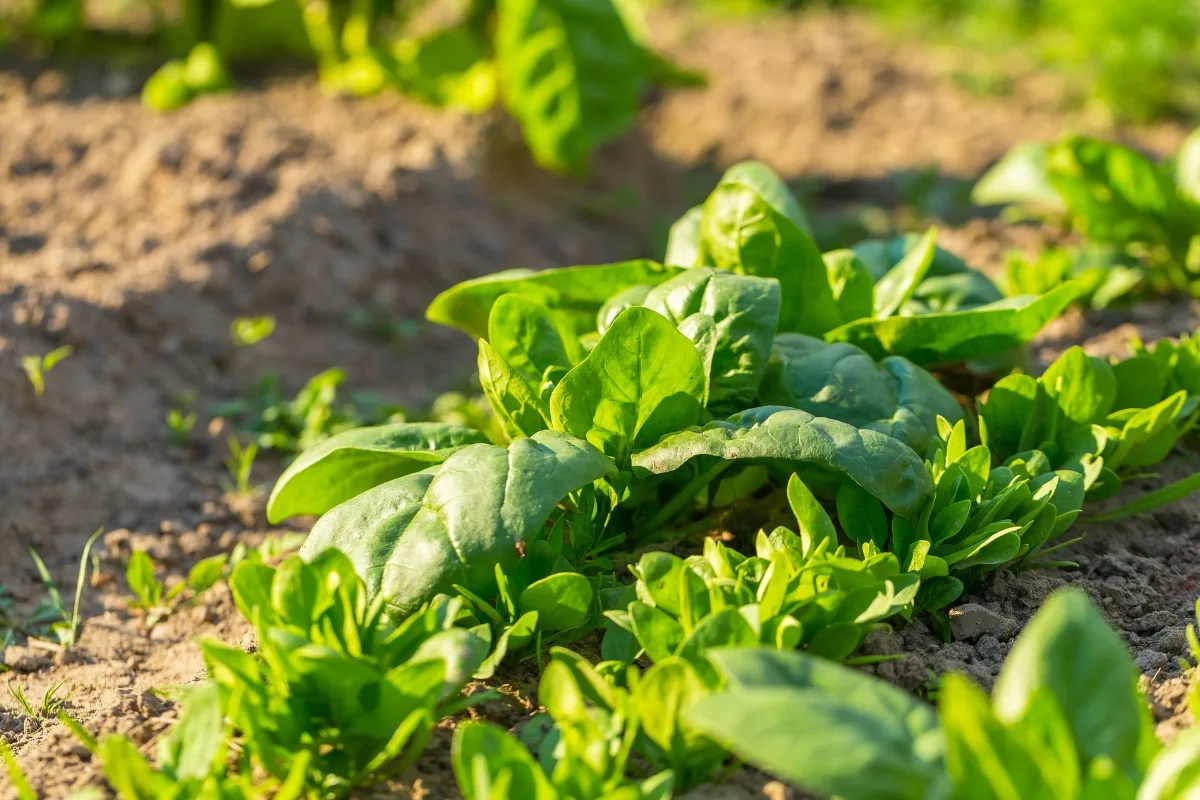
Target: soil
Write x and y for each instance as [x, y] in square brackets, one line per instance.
[137, 239]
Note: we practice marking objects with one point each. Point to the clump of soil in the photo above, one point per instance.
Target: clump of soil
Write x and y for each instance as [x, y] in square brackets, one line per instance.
[138, 238]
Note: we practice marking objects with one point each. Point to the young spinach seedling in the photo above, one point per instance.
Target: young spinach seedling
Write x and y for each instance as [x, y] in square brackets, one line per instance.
[37, 367]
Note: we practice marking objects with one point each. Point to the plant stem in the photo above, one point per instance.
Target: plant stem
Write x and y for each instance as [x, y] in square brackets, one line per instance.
[684, 496]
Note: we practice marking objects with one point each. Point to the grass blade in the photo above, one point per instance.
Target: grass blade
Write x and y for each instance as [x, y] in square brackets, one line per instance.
[20, 782]
[1149, 502]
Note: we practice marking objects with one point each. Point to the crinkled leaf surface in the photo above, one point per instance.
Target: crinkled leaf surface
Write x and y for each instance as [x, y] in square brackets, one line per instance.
[416, 536]
[753, 226]
[642, 380]
[841, 382]
[827, 450]
[570, 73]
[960, 335]
[744, 311]
[573, 295]
[354, 461]
[822, 726]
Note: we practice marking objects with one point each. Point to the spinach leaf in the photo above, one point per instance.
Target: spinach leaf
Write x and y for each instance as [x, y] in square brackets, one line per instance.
[570, 73]
[851, 282]
[823, 727]
[416, 536]
[519, 406]
[824, 450]
[752, 225]
[1068, 655]
[524, 334]
[841, 382]
[642, 380]
[1020, 178]
[744, 311]
[685, 247]
[573, 295]
[945, 338]
[351, 462]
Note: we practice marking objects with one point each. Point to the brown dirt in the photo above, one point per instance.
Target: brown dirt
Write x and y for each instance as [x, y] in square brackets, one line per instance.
[137, 238]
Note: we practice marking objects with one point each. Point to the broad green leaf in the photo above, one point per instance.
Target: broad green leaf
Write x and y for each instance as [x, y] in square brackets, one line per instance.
[612, 308]
[751, 225]
[950, 337]
[659, 634]
[896, 287]
[813, 522]
[349, 463]
[841, 382]
[861, 515]
[518, 405]
[744, 311]
[1019, 178]
[572, 294]
[822, 726]
[1068, 651]
[489, 763]
[724, 628]
[1008, 412]
[642, 380]
[852, 284]
[1082, 386]
[416, 536]
[1140, 383]
[825, 450]
[684, 247]
[986, 760]
[667, 688]
[571, 75]
[562, 601]
[523, 333]
[449, 67]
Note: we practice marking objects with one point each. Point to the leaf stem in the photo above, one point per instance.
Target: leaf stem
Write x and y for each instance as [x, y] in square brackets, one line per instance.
[684, 496]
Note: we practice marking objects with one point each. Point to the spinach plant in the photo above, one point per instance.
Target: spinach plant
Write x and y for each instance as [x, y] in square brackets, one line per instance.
[1103, 420]
[154, 600]
[1143, 211]
[796, 591]
[1065, 720]
[37, 367]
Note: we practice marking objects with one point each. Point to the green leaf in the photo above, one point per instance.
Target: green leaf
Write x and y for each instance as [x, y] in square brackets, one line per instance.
[449, 67]
[349, 463]
[489, 763]
[642, 380]
[744, 311]
[724, 628]
[573, 295]
[524, 334]
[139, 574]
[684, 246]
[206, 573]
[896, 287]
[826, 450]
[571, 75]
[851, 282]
[416, 536]
[659, 634]
[1140, 383]
[1069, 652]
[861, 515]
[1019, 178]
[753, 226]
[562, 601]
[519, 406]
[1152, 500]
[950, 337]
[1082, 386]
[994, 761]
[840, 381]
[1175, 773]
[858, 736]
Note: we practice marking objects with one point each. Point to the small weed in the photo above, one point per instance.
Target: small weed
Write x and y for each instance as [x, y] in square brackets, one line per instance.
[38, 367]
[240, 462]
[182, 418]
[249, 331]
[51, 703]
[63, 624]
[156, 601]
